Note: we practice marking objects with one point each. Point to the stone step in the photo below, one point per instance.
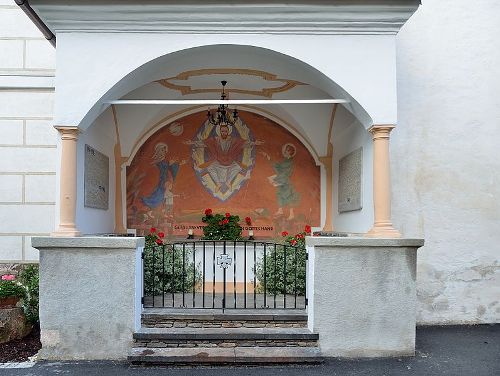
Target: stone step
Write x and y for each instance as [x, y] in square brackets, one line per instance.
[216, 318]
[236, 355]
[224, 337]
[225, 333]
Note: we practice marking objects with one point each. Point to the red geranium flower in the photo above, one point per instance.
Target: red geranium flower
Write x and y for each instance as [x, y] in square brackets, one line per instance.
[284, 233]
[293, 242]
[225, 221]
[159, 241]
[161, 234]
[152, 229]
[248, 221]
[208, 212]
[307, 229]
[228, 215]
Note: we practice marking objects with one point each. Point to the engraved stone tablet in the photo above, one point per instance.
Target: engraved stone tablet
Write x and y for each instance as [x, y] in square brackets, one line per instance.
[96, 180]
[350, 172]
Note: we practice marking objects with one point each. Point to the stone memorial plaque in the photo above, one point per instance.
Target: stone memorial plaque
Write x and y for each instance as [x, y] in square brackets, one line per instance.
[96, 179]
[350, 175]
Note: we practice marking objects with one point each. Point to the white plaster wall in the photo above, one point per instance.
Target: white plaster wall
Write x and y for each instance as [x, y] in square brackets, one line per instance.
[27, 139]
[371, 57]
[101, 136]
[349, 135]
[446, 169]
[93, 314]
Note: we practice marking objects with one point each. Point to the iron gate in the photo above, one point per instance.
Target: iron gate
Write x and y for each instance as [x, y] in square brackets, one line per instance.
[224, 274]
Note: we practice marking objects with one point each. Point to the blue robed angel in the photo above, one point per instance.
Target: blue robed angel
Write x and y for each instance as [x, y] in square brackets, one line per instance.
[156, 198]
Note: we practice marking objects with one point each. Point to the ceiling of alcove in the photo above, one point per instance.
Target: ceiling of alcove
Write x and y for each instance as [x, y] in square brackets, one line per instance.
[243, 83]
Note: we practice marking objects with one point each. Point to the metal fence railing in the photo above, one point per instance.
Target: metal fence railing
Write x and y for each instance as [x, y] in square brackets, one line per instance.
[224, 274]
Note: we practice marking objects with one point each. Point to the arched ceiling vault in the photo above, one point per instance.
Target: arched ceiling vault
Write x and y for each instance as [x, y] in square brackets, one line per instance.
[251, 72]
[310, 122]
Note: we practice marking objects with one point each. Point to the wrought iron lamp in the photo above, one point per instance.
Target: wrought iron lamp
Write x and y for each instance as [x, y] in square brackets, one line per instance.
[223, 113]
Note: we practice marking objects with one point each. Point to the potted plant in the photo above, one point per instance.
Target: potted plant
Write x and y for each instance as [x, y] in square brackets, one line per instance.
[10, 291]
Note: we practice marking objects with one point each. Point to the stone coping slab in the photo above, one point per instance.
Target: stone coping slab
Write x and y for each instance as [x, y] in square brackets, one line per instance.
[218, 315]
[87, 242]
[224, 334]
[326, 241]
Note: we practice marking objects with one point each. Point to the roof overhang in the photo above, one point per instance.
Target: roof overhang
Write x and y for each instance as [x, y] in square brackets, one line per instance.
[215, 17]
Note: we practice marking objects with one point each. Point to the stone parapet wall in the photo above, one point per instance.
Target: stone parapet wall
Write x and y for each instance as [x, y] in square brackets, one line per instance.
[362, 295]
[89, 300]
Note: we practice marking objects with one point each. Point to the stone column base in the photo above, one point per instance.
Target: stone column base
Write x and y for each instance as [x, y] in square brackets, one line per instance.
[383, 230]
[66, 231]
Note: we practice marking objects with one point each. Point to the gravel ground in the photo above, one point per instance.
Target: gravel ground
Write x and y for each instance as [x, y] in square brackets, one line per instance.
[20, 350]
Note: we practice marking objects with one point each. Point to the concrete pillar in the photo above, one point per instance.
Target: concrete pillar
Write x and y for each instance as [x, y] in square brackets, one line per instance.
[382, 227]
[67, 181]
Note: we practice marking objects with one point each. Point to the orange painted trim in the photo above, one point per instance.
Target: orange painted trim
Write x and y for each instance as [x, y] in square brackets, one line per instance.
[67, 182]
[382, 226]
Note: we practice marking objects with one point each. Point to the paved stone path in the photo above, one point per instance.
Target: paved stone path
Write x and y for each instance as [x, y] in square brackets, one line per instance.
[454, 351]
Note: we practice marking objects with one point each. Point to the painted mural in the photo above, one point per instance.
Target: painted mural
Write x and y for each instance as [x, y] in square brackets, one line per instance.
[255, 169]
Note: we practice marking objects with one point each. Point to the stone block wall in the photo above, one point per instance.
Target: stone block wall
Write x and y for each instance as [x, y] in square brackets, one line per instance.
[27, 138]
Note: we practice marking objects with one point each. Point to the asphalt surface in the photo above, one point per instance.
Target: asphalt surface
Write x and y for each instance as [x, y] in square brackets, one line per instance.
[451, 350]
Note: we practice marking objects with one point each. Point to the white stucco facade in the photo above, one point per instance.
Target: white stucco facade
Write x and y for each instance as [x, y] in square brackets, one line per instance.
[445, 176]
[28, 154]
[444, 167]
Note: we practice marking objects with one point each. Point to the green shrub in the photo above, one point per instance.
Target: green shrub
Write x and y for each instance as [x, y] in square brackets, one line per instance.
[275, 271]
[166, 268]
[29, 277]
[163, 270]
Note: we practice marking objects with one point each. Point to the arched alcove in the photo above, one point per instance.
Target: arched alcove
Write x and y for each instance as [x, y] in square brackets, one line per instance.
[120, 130]
[260, 171]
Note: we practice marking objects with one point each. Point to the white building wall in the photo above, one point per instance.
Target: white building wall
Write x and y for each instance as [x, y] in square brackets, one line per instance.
[350, 135]
[445, 157]
[100, 136]
[146, 57]
[27, 139]
[445, 169]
